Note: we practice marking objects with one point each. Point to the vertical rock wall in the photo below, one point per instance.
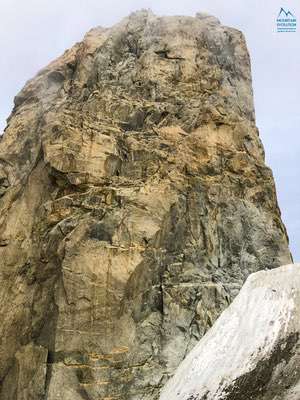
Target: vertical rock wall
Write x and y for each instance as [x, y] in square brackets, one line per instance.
[134, 203]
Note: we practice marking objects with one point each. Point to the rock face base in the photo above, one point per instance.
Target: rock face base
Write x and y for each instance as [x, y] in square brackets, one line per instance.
[134, 203]
[252, 352]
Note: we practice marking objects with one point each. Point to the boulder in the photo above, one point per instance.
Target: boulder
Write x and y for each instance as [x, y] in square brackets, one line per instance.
[252, 352]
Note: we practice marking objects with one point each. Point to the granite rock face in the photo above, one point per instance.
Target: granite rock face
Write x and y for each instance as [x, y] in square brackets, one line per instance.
[135, 201]
[252, 351]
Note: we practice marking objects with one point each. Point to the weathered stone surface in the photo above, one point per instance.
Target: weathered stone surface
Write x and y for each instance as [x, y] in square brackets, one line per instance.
[134, 203]
[252, 350]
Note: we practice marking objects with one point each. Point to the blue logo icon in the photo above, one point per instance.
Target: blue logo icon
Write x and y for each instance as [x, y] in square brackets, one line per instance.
[286, 21]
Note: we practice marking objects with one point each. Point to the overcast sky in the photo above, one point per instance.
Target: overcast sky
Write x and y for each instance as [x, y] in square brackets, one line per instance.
[34, 32]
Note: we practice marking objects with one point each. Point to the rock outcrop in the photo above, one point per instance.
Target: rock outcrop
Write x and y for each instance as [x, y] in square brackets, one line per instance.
[253, 351]
[135, 201]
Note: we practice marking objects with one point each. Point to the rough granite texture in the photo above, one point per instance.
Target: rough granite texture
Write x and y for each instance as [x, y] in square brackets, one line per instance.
[253, 350]
[135, 201]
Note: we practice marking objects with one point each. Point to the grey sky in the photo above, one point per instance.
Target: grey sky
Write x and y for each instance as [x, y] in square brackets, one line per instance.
[33, 32]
